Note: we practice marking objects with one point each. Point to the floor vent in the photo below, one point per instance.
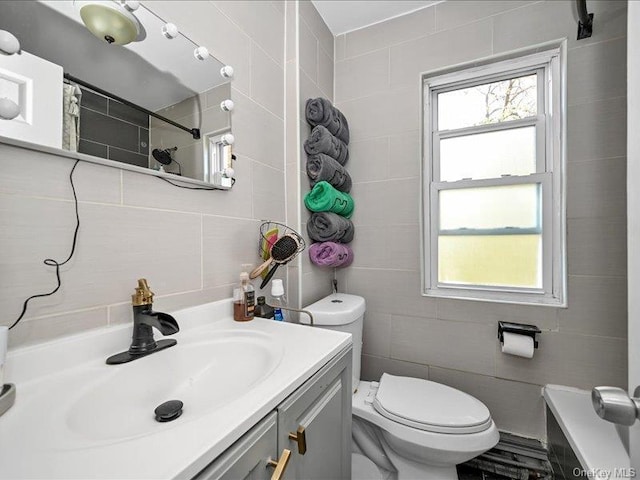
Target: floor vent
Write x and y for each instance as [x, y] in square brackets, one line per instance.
[514, 458]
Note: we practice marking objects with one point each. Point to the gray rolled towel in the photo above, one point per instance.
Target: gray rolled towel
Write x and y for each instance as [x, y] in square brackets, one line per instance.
[321, 141]
[320, 111]
[322, 167]
[329, 227]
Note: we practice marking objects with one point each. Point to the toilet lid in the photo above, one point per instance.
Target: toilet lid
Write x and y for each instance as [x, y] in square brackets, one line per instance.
[430, 406]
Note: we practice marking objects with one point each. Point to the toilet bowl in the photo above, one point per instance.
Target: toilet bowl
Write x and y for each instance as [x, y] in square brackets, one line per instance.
[416, 428]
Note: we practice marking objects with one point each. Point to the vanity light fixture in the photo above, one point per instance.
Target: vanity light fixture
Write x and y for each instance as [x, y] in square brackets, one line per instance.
[110, 21]
[227, 71]
[228, 139]
[201, 53]
[170, 30]
[9, 44]
[227, 105]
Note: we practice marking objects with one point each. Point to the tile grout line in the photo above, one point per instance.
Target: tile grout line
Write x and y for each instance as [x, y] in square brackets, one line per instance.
[201, 252]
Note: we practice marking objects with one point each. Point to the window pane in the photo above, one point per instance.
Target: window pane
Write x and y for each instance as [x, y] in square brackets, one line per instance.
[488, 155]
[491, 260]
[489, 103]
[515, 206]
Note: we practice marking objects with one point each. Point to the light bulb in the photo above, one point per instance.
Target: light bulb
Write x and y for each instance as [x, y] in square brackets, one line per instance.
[170, 31]
[227, 71]
[9, 44]
[201, 53]
[227, 105]
[131, 5]
[8, 109]
[228, 139]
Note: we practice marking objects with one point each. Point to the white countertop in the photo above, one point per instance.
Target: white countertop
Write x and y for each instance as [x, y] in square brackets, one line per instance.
[595, 441]
[38, 441]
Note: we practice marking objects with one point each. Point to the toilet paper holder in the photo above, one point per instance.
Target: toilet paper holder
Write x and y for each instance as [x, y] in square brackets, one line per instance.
[520, 329]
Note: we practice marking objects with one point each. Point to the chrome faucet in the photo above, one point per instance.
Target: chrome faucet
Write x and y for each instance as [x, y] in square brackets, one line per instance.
[144, 320]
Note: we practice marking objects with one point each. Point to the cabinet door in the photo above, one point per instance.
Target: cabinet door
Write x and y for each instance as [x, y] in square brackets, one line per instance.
[247, 459]
[35, 85]
[321, 411]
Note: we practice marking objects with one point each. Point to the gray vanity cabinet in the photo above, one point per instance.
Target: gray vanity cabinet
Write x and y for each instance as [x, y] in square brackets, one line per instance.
[248, 458]
[312, 427]
[315, 424]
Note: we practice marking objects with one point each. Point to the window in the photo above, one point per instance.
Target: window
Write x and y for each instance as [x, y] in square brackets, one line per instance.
[493, 195]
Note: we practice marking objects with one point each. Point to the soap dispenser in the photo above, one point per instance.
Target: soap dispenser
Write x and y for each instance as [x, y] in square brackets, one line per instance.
[244, 299]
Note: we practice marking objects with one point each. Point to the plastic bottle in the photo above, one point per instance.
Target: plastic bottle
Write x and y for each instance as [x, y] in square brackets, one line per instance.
[244, 298]
[263, 310]
[278, 300]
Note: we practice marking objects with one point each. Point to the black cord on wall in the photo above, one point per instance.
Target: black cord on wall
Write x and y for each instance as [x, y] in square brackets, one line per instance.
[50, 262]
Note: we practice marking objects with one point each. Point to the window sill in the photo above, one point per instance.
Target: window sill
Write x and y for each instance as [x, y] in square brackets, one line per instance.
[515, 298]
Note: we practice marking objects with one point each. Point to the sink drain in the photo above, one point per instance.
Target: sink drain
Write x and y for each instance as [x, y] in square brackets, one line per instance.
[168, 411]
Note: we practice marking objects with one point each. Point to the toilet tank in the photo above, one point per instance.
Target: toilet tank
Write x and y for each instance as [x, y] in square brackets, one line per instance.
[344, 313]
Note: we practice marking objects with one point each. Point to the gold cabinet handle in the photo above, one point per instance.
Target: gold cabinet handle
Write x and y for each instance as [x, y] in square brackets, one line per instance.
[301, 438]
[280, 465]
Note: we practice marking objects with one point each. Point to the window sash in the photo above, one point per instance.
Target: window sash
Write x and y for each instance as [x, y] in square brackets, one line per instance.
[546, 218]
[538, 122]
[539, 71]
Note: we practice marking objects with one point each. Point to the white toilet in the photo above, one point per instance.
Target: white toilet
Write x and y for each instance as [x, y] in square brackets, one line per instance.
[413, 427]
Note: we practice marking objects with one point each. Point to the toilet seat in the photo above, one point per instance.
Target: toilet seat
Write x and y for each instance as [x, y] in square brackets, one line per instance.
[442, 447]
[428, 406]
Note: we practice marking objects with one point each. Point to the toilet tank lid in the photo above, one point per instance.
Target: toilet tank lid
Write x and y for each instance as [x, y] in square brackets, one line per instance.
[336, 309]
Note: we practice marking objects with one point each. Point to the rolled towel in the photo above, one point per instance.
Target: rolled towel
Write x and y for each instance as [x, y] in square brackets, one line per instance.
[329, 227]
[324, 198]
[321, 141]
[320, 111]
[322, 167]
[330, 254]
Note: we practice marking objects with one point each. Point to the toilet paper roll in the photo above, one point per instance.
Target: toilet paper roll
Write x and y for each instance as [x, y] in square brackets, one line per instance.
[518, 345]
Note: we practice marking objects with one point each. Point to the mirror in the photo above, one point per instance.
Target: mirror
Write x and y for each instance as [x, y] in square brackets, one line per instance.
[85, 92]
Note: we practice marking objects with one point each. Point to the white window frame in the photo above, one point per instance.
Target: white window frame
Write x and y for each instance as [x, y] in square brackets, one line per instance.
[549, 62]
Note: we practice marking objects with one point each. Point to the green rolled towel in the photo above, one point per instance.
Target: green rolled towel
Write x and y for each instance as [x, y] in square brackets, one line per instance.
[324, 198]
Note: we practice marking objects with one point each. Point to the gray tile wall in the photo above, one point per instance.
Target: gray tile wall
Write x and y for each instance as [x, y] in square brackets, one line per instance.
[112, 130]
[135, 225]
[309, 75]
[377, 86]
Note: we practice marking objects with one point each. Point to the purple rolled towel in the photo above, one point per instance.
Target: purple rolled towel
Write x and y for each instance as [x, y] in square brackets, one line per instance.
[331, 254]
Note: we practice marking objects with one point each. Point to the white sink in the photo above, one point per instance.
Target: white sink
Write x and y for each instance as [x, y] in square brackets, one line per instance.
[205, 375]
[76, 417]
